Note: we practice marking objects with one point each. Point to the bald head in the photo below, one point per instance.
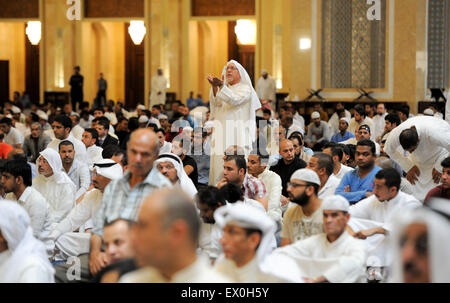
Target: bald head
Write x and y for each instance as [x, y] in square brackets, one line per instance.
[287, 151]
[142, 151]
[167, 229]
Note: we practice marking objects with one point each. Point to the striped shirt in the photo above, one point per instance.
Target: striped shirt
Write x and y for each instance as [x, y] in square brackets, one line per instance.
[121, 201]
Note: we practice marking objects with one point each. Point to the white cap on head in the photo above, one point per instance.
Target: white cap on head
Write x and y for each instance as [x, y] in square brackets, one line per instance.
[335, 202]
[141, 107]
[16, 110]
[43, 116]
[209, 124]
[346, 120]
[162, 117]
[428, 112]
[307, 175]
[315, 115]
[108, 168]
[143, 119]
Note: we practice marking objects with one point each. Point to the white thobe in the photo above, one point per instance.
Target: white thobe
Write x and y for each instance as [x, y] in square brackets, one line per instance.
[198, 272]
[294, 128]
[23, 129]
[209, 245]
[370, 213]
[80, 176]
[86, 123]
[111, 117]
[59, 196]
[266, 89]
[159, 84]
[379, 124]
[300, 121]
[249, 273]
[72, 243]
[447, 108]
[39, 211]
[14, 137]
[329, 188]
[344, 169]
[166, 148]
[333, 123]
[94, 154]
[342, 261]
[433, 148]
[274, 187]
[231, 110]
[30, 270]
[80, 148]
[77, 131]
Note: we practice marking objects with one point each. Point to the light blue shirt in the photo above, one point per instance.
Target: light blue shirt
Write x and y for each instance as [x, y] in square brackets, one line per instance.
[358, 187]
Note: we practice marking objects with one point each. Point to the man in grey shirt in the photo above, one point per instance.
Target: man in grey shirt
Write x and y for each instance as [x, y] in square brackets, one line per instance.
[318, 133]
[201, 154]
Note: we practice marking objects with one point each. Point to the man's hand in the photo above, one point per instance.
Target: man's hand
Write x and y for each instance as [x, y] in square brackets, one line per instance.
[97, 261]
[347, 189]
[222, 183]
[363, 234]
[368, 194]
[413, 175]
[284, 200]
[214, 81]
[436, 176]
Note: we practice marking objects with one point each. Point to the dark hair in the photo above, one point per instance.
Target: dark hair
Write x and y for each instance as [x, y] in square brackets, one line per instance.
[19, 168]
[153, 126]
[231, 192]
[157, 107]
[211, 196]
[267, 111]
[367, 142]
[360, 110]
[103, 121]
[391, 177]
[404, 109]
[99, 109]
[65, 143]
[409, 138]
[34, 117]
[160, 130]
[133, 124]
[93, 132]
[296, 136]
[446, 163]
[393, 118]
[239, 160]
[262, 157]
[112, 150]
[64, 120]
[2, 136]
[337, 150]
[6, 121]
[325, 161]
[77, 117]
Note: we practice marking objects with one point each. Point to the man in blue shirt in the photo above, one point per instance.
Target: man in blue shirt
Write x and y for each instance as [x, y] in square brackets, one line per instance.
[343, 134]
[358, 184]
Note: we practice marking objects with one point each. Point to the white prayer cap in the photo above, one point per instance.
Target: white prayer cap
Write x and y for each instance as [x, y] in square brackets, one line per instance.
[307, 175]
[335, 202]
[143, 119]
[109, 169]
[16, 110]
[346, 120]
[141, 107]
[248, 217]
[264, 72]
[428, 112]
[315, 115]
[162, 117]
[43, 116]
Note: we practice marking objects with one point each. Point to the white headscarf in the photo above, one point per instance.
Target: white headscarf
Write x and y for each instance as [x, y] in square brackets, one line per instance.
[108, 168]
[437, 219]
[246, 216]
[185, 182]
[16, 229]
[54, 160]
[245, 79]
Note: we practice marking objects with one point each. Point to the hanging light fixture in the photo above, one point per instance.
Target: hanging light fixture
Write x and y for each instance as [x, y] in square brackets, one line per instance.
[33, 32]
[246, 32]
[137, 31]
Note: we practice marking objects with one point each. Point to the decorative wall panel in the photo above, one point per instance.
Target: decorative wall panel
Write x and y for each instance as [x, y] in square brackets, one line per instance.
[19, 9]
[113, 8]
[353, 47]
[223, 8]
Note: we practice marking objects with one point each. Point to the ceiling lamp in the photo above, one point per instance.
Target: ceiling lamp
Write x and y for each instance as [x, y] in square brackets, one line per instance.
[33, 32]
[137, 31]
[246, 32]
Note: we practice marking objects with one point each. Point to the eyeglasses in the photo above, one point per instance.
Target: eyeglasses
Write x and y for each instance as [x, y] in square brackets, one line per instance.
[294, 185]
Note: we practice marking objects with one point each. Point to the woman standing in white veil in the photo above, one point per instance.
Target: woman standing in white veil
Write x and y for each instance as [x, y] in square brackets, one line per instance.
[234, 103]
